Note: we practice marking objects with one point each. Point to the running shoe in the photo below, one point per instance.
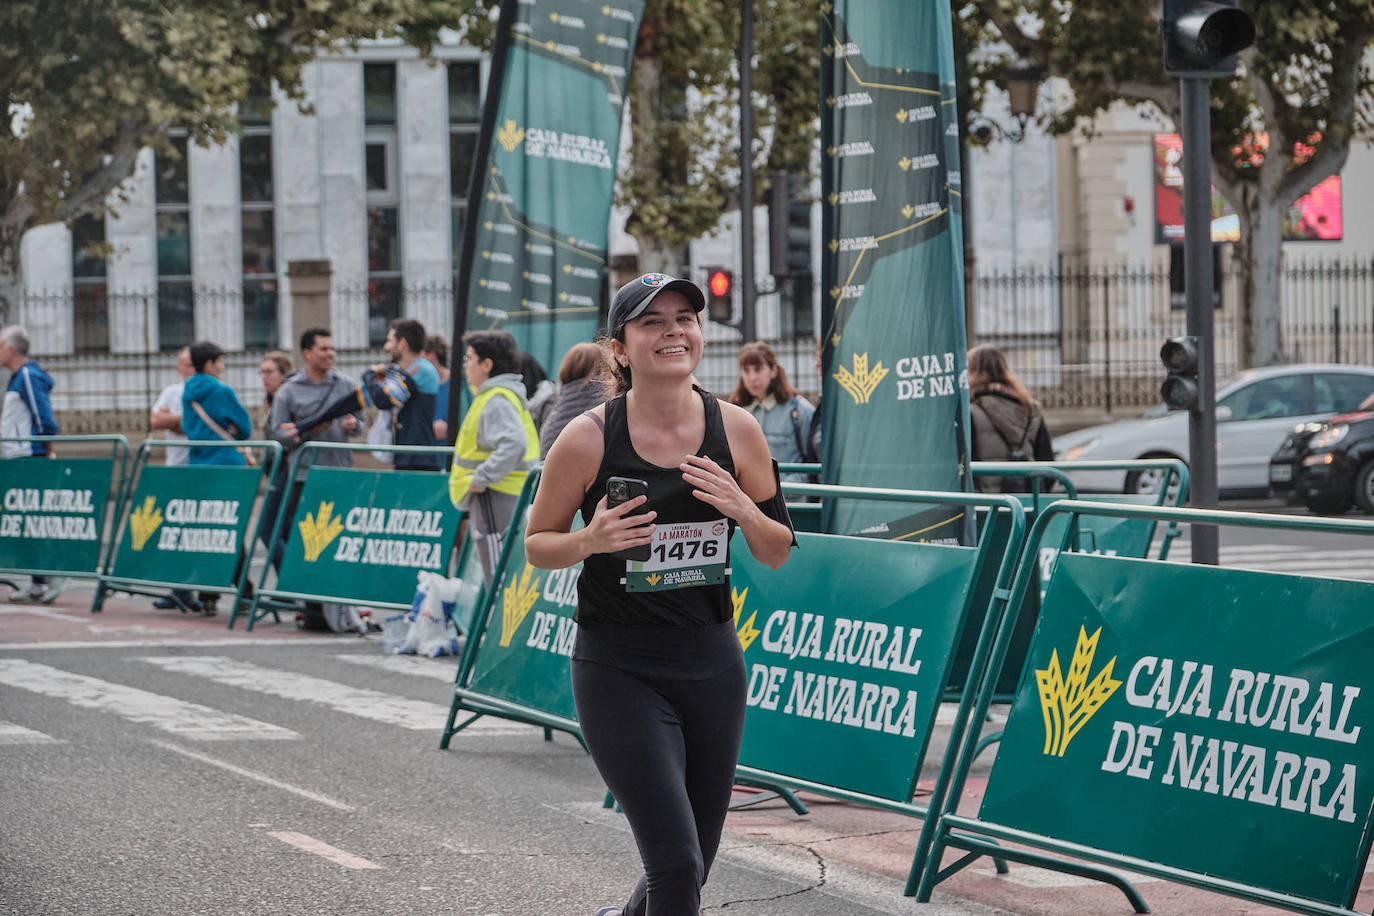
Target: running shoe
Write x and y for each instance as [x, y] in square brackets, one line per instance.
[47, 592]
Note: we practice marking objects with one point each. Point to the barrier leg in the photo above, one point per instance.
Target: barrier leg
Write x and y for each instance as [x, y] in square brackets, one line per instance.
[771, 791]
[981, 847]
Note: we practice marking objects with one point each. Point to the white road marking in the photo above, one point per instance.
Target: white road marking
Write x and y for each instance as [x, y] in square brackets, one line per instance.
[439, 671]
[183, 719]
[18, 734]
[406, 664]
[322, 849]
[256, 777]
[419, 715]
[244, 640]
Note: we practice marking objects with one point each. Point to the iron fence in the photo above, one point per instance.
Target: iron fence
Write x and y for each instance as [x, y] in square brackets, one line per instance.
[1089, 335]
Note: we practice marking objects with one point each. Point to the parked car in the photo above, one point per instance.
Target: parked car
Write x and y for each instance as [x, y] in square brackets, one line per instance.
[1328, 465]
[1255, 410]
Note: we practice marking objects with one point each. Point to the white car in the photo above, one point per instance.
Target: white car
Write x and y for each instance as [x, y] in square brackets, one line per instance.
[1255, 410]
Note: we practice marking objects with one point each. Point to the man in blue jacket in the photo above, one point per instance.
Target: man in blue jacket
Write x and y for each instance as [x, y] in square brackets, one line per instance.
[210, 411]
[27, 412]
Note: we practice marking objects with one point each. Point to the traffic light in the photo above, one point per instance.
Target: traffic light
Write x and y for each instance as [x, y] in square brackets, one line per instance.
[1202, 38]
[720, 299]
[1180, 388]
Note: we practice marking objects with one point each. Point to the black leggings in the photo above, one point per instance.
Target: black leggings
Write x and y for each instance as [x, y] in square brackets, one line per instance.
[664, 733]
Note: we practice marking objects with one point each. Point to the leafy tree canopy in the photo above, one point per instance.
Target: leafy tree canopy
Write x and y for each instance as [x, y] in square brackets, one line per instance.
[1308, 79]
[84, 88]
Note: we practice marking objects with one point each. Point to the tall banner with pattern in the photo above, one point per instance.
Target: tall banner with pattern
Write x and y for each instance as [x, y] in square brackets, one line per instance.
[535, 246]
[895, 392]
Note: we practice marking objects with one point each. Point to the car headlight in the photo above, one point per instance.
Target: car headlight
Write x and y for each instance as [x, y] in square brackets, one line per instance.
[1330, 436]
[1076, 452]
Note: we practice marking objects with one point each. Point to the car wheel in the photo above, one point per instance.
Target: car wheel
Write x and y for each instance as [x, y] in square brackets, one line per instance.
[1328, 505]
[1147, 482]
[1364, 487]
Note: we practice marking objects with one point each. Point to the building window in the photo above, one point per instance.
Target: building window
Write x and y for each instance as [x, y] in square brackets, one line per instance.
[258, 225]
[90, 294]
[175, 316]
[383, 200]
[464, 118]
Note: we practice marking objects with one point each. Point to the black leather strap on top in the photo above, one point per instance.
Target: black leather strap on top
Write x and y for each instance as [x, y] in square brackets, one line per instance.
[776, 507]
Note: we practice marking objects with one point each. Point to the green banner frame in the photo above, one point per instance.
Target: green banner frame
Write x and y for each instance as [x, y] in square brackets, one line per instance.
[541, 695]
[199, 521]
[81, 495]
[1312, 866]
[340, 555]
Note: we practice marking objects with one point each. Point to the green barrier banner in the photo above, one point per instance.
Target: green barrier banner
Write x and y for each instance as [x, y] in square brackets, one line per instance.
[361, 536]
[1203, 718]
[529, 637]
[187, 524]
[536, 244]
[52, 513]
[895, 391]
[847, 654]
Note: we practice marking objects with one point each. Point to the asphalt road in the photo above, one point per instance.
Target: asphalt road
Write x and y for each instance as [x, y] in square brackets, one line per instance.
[207, 772]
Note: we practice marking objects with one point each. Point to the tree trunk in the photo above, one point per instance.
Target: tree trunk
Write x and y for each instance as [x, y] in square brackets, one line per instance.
[1259, 257]
[11, 277]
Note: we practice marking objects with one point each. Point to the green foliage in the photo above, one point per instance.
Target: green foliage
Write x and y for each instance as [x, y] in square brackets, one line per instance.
[87, 87]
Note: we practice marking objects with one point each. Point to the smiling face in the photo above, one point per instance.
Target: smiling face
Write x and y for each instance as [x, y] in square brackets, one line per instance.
[664, 340]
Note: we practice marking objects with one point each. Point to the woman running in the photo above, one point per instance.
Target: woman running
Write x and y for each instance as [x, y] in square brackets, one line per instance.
[657, 672]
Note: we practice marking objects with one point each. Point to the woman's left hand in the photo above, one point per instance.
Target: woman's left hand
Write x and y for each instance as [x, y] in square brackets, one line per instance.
[716, 486]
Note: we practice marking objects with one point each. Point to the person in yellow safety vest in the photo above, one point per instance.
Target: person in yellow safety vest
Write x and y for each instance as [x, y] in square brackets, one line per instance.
[497, 444]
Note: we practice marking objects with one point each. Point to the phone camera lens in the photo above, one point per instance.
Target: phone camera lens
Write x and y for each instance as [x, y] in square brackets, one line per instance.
[618, 490]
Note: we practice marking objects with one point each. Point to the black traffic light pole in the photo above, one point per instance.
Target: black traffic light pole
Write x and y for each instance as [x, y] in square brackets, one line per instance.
[1201, 39]
[748, 292]
[1197, 273]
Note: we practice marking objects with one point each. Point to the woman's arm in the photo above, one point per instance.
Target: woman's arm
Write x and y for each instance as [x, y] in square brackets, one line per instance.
[769, 541]
[569, 471]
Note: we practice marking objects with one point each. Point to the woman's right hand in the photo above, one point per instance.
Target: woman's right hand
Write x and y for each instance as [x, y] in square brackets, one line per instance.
[618, 527]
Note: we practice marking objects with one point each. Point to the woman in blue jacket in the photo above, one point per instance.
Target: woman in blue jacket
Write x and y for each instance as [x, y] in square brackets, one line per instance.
[210, 411]
[785, 416]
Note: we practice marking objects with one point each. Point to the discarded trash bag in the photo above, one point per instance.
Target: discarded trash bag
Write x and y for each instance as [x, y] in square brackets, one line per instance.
[431, 631]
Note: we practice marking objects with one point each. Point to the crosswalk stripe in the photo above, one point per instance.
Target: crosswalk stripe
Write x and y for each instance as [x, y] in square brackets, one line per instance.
[10, 733]
[322, 849]
[418, 715]
[180, 718]
[439, 671]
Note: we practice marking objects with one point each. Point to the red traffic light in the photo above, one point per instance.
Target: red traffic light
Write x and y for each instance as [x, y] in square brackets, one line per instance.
[719, 283]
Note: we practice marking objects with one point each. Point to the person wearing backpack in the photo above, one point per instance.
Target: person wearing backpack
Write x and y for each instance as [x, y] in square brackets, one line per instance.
[785, 416]
[1007, 422]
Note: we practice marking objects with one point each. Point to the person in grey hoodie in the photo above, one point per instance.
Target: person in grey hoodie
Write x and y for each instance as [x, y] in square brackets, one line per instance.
[497, 444]
[305, 393]
[785, 415]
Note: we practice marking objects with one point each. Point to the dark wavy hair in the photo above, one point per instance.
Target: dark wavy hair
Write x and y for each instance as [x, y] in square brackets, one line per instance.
[497, 346]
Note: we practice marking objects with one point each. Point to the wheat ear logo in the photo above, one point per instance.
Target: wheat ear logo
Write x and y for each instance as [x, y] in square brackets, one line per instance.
[748, 632]
[861, 382]
[318, 530]
[518, 598]
[653, 578]
[144, 520]
[1068, 705]
[510, 136]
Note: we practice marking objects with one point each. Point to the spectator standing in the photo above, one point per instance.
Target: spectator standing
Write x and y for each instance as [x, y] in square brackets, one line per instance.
[785, 416]
[1007, 422]
[210, 411]
[412, 421]
[496, 445]
[582, 386]
[436, 352]
[540, 390]
[167, 411]
[302, 395]
[272, 372]
[27, 411]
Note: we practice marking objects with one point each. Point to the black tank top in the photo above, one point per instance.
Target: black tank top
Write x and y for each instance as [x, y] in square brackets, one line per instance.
[602, 595]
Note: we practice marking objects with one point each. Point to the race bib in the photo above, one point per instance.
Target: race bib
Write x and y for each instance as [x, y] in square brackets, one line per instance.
[682, 555]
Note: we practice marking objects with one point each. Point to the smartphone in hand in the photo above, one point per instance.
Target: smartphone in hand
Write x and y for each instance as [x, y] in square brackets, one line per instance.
[622, 490]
